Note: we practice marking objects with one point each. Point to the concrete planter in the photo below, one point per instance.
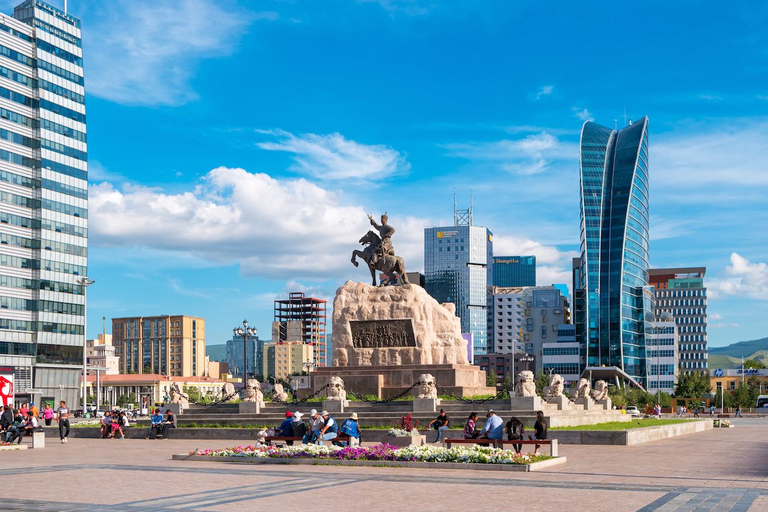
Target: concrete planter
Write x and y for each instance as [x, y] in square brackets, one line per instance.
[534, 466]
[405, 441]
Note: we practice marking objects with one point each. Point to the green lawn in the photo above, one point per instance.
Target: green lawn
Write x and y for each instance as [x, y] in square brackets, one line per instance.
[624, 425]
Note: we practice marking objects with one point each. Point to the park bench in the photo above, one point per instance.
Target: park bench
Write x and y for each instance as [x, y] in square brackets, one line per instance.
[552, 443]
[482, 442]
[289, 440]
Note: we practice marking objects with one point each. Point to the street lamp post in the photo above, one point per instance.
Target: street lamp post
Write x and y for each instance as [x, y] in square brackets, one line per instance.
[85, 283]
[245, 331]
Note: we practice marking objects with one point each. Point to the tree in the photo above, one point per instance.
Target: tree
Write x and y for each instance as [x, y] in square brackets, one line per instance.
[754, 364]
[491, 379]
[542, 380]
[508, 384]
[693, 385]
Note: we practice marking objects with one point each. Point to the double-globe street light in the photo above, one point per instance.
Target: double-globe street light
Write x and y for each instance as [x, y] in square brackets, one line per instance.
[245, 331]
[85, 283]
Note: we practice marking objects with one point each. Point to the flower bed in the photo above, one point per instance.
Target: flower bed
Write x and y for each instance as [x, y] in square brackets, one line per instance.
[381, 452]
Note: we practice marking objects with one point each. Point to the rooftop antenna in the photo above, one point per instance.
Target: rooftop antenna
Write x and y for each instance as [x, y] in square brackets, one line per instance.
[462, 217]
[615, 124]
[625, 116]
[65, 6]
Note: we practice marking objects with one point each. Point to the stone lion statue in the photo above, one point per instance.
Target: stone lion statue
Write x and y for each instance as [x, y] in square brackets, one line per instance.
[582, 389]
[555, 387]
[252, 392]
[335, 390]
[176, 395]
[427, 386]
[526, 384]
[601, 391]
[228, 391]
[280, 393]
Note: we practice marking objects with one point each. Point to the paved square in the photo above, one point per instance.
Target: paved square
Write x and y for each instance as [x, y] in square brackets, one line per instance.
[718, 470]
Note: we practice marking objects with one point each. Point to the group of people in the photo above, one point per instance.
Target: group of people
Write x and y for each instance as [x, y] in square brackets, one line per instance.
[114, 424]
[320, 427]
[16, 423]
[495, 428]
[159, 424]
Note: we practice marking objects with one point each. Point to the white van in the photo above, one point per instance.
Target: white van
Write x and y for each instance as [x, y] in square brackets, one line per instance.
[762, 402]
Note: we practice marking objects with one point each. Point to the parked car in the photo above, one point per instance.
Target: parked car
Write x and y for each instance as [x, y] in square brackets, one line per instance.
[632, 410]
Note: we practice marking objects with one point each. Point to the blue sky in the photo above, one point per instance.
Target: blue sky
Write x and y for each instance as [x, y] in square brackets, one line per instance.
[235, 148]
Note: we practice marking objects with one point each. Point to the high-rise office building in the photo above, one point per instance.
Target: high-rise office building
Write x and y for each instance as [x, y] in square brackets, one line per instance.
[663, 356]
[286, 358]
[458, 268]
[43, 201]
[526, 318]
[234, 358]
[563, 355]
[511, 271]
[613, 301]
[167, 345]
[301, 318]
[681, 292]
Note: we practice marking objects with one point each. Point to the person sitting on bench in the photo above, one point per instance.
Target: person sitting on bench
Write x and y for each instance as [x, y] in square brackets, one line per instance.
[156, 424]
[493, 428]
[515, 431]
[470, 427]
[286, 427]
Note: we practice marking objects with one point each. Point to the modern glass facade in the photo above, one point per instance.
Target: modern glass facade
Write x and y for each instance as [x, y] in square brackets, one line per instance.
[43, 201]
[512, 271]
[457, 269]
[615, 301]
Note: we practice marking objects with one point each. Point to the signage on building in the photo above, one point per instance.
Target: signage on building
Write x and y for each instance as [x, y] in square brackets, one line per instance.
[719, 372]
[6, 386]
[750, 371]
[446, 234]
[510, 260]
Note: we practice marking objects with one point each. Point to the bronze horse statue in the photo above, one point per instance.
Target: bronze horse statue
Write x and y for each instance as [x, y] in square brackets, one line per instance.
[388, 263]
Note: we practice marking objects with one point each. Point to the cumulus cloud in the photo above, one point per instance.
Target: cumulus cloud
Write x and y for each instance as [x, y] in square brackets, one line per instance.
[553, 266]
[583, 114]
[742, 278]
[333, 157]
[145, 53]
[532, 154]
[274, 229]
[545, 90]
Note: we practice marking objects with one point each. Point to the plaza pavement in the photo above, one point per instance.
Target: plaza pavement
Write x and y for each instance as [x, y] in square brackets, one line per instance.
[717, 470]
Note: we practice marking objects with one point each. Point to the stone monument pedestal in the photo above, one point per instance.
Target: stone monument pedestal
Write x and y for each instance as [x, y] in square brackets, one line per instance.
[388, 381]
[249, 408]
[606, 404]
[587, 402]
[425, 404]
[335, 406]
[562, 402]
[526, 403]
[176, 408]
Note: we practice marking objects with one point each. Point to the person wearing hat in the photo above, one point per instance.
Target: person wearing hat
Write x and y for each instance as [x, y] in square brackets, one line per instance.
[286, 427]
[330, 430]
[299, 427]
[316, 424]
[494, 426]
[352, 429]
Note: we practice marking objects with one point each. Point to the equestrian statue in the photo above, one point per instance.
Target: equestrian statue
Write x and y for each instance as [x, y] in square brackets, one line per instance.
[379, 253]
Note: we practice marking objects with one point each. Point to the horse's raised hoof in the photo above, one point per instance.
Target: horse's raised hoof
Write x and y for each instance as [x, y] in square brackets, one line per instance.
[355, 263]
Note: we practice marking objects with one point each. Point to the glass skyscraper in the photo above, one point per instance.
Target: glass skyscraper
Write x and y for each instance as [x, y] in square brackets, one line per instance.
[513, 271]
[614, 302]
[43, 201]
[458, 269]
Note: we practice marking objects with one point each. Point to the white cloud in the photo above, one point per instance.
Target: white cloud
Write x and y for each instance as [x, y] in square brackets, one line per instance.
[332, 157]
[741, 278]
[545, 90]
[145, 53]
[714, 316]
[532, 154]
[733, 154]
[553, 266]
[583, 114]
[409, 7]
[274, 229]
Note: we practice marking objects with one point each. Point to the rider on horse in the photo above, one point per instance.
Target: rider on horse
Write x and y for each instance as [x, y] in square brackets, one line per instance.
[385, 231]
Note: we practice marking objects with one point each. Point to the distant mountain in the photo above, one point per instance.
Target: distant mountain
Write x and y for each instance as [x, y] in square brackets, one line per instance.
[741, 349]
[216, 352]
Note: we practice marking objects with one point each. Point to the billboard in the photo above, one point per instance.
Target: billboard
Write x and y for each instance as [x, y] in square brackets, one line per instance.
[6, 386]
